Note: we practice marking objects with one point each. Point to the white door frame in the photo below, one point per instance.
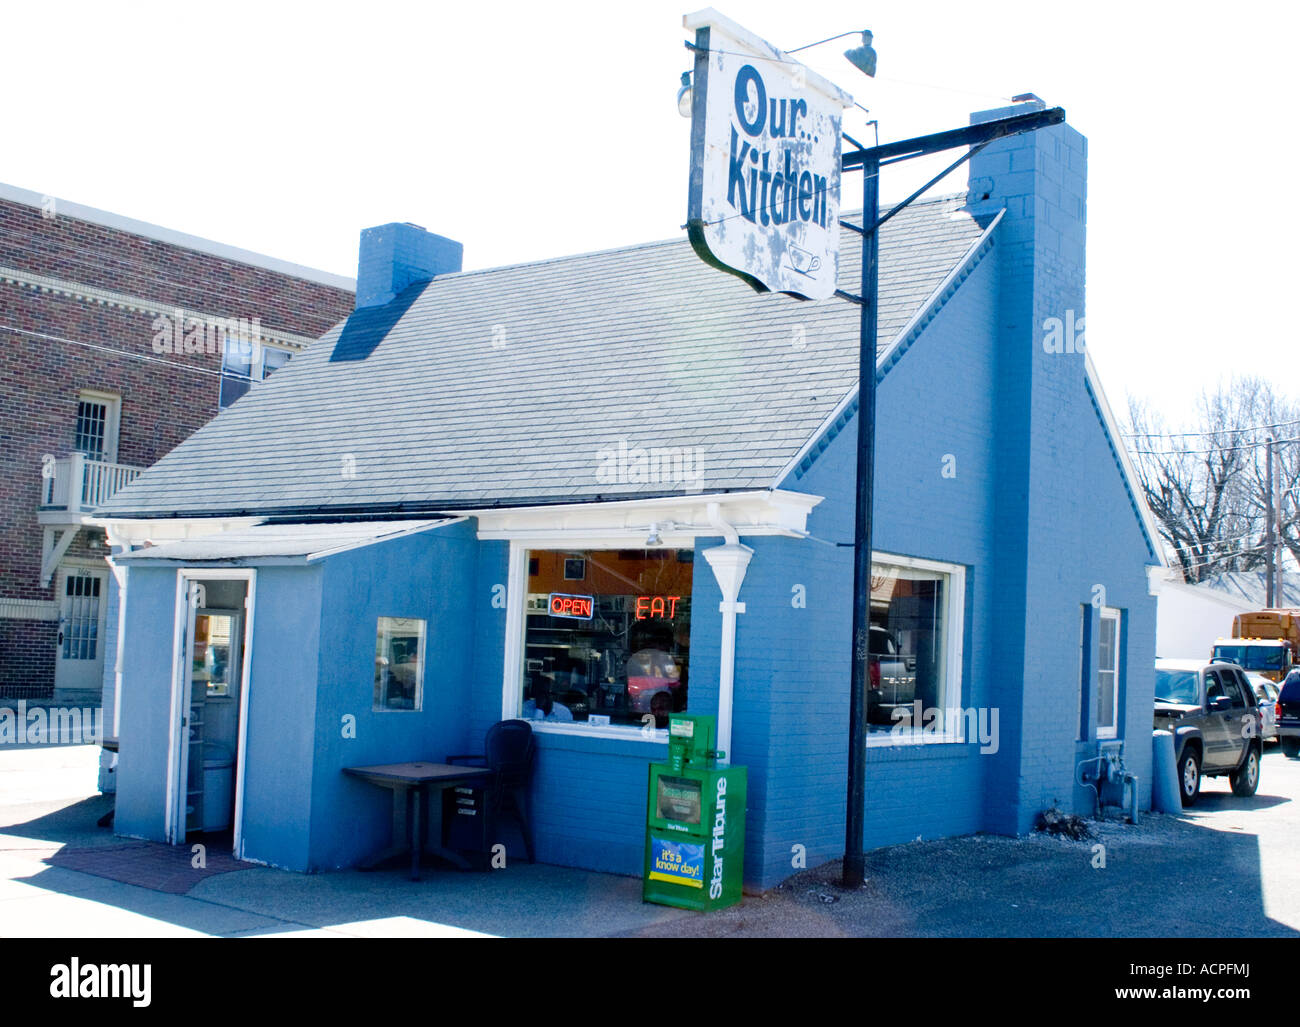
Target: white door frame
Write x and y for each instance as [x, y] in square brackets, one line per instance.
[178, 740]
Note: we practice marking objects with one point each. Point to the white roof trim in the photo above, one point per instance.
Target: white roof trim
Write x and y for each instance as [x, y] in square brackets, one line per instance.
[274, 543]
[888, 354]
[66, 208]
[680, 519]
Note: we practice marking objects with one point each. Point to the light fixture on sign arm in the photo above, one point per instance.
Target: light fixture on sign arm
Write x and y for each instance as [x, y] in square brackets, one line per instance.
[861, 57]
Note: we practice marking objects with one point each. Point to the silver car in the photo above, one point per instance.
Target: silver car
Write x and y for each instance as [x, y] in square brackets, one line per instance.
[1266, 693]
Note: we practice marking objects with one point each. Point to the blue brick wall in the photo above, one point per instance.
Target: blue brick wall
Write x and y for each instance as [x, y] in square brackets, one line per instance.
[1067, 519]
[939, 400]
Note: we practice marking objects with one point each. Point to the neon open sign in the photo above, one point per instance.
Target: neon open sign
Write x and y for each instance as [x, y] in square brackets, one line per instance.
[656, 606]
[562, 605]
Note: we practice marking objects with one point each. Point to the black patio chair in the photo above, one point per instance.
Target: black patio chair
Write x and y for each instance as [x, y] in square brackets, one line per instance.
[509, 751]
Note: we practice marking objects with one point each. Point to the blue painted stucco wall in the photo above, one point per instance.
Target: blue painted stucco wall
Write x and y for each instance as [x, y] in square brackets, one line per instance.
[425, 576]
[312, 663]
[146, 704]
[281, 699]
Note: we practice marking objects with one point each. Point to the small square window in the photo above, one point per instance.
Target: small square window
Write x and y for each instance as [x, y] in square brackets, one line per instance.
[575, 570]
[399, 663]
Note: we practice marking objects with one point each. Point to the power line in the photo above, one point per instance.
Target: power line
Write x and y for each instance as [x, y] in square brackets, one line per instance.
[1200, 434]
[193, 368]
[1201, 452]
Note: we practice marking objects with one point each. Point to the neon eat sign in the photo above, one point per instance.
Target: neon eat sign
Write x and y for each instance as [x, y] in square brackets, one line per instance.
[656, 606]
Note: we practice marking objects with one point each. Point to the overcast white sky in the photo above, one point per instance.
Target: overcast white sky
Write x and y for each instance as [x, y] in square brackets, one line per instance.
[529, 130]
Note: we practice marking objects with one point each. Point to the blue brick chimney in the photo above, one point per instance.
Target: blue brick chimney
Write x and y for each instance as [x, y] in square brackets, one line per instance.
[1043, 411]
[396, 255]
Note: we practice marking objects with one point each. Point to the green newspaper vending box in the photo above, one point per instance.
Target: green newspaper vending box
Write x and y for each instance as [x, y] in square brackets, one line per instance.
[695, 822]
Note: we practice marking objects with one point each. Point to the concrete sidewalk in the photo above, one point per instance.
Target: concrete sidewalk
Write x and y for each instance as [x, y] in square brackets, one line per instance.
[48, 809]
[1224, 868]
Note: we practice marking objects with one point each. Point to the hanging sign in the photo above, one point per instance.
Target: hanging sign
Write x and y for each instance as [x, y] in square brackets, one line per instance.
[764, 198]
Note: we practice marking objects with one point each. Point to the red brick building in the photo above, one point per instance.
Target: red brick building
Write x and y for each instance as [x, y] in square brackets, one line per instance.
[118, 339]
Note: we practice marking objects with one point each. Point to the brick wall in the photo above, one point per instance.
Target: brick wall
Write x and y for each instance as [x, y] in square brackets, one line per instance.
[27, 658]
[52, 345]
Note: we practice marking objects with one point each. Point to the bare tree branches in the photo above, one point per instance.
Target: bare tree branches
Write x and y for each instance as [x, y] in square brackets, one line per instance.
[1207, 486]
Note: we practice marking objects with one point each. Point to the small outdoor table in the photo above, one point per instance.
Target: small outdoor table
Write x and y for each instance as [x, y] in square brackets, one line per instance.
[412, 784]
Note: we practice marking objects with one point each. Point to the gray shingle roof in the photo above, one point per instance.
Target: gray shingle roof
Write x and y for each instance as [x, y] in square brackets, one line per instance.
[505, 385]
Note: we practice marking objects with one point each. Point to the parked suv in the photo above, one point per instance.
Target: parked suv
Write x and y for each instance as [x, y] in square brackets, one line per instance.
[892, 683]
[1288, 715]
[1211, 711]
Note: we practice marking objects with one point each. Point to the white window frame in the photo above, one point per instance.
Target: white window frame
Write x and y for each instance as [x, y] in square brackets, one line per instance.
[955, 619]
[1109, 613]
[112, 403]
[419, 670]
[516, 630]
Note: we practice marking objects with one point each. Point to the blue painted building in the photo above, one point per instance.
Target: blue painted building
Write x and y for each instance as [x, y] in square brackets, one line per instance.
[359, 563]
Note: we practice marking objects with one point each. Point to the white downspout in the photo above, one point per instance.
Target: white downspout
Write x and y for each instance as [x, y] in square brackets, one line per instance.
[729, 563]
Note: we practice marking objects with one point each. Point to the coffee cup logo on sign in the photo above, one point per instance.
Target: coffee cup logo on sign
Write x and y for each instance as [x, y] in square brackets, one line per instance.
[803, 261]
[765, 162]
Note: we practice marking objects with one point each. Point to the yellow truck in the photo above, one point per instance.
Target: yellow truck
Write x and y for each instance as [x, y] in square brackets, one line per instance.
[1265, 642]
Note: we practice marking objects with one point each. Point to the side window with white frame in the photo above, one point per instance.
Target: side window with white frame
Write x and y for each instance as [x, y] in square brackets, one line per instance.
[98, 421]
[399, 664]
[917, 620]
[1108, 653]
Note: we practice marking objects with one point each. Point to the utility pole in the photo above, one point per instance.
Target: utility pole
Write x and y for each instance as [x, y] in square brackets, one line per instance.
[1279, 550]
[1268, 523]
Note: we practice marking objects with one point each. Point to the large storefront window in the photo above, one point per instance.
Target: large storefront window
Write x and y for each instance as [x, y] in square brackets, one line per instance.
[607, 636]
[913, 611]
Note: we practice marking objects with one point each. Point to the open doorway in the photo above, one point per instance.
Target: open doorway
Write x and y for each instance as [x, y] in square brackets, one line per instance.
[209, 706]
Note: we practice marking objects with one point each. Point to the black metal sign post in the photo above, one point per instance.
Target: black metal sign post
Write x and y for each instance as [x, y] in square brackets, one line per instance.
[870, 161]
